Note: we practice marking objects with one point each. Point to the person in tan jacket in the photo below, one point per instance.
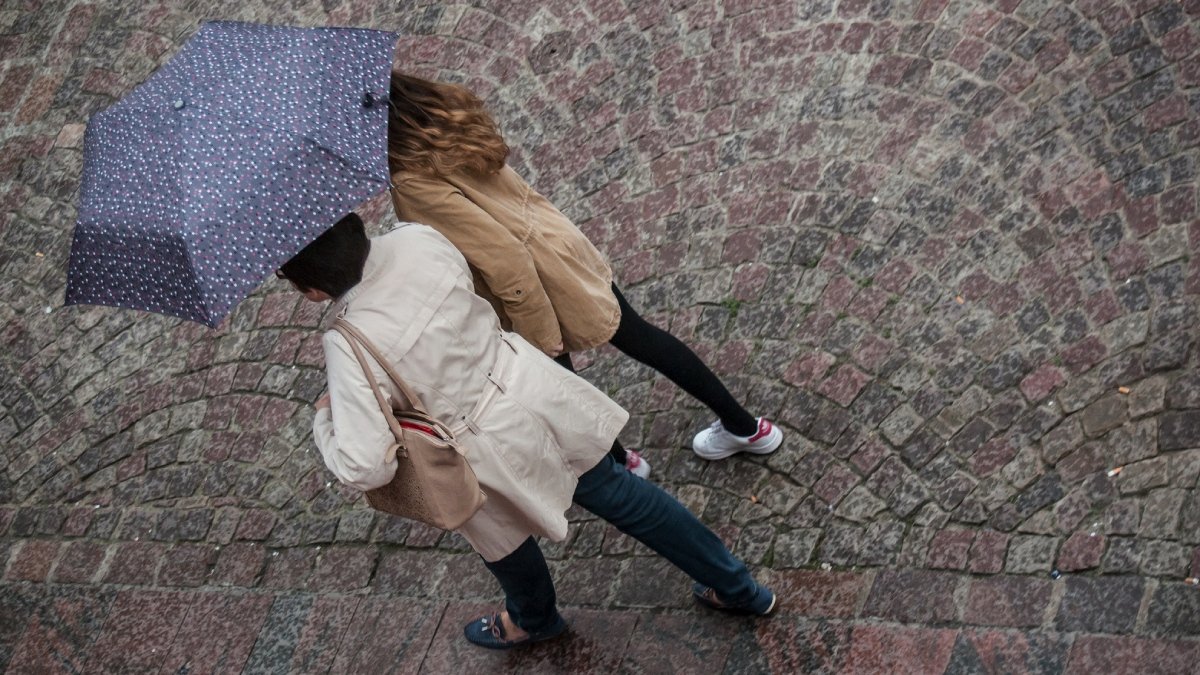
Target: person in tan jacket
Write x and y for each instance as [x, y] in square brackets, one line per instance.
[536, 435]
[545, 280]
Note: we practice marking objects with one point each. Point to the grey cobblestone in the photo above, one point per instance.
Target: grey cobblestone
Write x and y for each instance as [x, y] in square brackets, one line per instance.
[1164, 558]
[1030, 554]
[1160, 513]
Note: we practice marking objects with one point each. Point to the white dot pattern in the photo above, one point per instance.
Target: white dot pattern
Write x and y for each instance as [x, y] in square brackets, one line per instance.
[228, 160]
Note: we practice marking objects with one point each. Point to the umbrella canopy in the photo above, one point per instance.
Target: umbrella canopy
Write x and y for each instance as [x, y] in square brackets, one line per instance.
[234, 155]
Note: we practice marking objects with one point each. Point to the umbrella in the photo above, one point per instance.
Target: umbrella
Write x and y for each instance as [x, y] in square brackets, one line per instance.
[227, 161]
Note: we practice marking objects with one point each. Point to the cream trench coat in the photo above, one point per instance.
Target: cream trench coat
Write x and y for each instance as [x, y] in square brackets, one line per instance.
[544, 278]
[527, 426]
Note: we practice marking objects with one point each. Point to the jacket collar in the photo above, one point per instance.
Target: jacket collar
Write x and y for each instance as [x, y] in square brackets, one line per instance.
[372, 269]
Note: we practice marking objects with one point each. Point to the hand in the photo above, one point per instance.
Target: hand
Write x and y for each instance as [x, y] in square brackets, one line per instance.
[323, 402]
[555, 350]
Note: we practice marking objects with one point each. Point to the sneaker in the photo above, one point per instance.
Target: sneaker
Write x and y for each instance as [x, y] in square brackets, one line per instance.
[762, 604]
[716, 443]
[636, 464]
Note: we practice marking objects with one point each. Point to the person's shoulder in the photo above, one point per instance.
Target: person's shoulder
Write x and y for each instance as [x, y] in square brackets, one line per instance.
[402, 229]
[335, 343]
[414, 192]
[422, 179]
[411, 238]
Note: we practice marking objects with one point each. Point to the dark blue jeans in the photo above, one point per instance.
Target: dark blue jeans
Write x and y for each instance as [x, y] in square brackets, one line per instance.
[645, 512]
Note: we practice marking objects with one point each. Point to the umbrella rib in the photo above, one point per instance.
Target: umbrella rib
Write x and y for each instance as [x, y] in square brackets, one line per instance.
[358, 171]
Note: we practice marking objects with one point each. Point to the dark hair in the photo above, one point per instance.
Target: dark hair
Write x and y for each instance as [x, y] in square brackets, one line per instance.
[334, 261]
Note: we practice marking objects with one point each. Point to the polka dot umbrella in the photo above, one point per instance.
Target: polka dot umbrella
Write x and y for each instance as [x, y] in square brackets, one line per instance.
[243, 148]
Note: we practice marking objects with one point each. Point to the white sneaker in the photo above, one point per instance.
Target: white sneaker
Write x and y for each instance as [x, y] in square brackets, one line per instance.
[716, 443]
[637, 465]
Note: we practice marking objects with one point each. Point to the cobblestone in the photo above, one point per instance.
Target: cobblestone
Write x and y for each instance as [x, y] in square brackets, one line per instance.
[1008, 601]
[1028, 553]
[1099, 604]
[911, 597]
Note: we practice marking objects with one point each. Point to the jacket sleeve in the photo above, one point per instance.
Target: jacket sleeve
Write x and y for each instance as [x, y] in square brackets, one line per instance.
[352, 434]
[501, 259]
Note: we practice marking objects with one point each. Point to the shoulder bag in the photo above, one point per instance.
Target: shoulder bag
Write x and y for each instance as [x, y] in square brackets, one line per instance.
[433, 483]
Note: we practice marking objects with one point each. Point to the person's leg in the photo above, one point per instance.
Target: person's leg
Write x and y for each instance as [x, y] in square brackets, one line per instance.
[646, 512]
[618, 451]
[528, 588]
[668, 355]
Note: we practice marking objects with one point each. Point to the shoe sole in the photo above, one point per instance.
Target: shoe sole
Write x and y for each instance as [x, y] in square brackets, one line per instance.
[730, 453]
[771, 607]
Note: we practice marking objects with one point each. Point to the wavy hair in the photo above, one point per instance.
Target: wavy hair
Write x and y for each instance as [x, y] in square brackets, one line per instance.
[440, 128]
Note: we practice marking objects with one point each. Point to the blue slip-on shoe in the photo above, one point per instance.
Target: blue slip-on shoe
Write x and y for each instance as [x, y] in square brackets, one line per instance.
[488, 631]
[762, 604]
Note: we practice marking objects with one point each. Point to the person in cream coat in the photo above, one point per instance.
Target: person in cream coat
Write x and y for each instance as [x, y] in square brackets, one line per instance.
[536, 435]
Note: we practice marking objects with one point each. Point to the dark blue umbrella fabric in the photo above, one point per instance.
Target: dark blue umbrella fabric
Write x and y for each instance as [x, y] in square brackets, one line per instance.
[228, 160]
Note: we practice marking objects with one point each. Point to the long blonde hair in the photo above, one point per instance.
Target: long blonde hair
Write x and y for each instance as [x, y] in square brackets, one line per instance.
[440, 128]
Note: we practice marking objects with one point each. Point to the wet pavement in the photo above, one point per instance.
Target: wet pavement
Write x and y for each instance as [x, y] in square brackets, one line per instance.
[948, 246]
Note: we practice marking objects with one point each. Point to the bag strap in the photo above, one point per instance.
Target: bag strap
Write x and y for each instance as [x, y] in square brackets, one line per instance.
[352, 335]
[388, 415]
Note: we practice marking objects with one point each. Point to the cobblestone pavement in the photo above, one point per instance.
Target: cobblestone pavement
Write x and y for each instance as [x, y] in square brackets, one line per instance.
[947, 245]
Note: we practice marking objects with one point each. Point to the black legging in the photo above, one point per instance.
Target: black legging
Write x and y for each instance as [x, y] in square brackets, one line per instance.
[665, 353]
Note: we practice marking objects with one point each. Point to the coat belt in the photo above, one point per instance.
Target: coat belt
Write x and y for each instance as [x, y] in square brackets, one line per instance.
[496, 375]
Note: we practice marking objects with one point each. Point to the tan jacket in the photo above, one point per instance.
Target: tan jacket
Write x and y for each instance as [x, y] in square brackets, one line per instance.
[542, 275]
[527, 426]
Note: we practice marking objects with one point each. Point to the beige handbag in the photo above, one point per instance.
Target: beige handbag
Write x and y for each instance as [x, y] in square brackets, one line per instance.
[433, 483]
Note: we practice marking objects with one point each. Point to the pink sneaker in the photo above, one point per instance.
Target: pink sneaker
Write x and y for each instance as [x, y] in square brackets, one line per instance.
[636, 465]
